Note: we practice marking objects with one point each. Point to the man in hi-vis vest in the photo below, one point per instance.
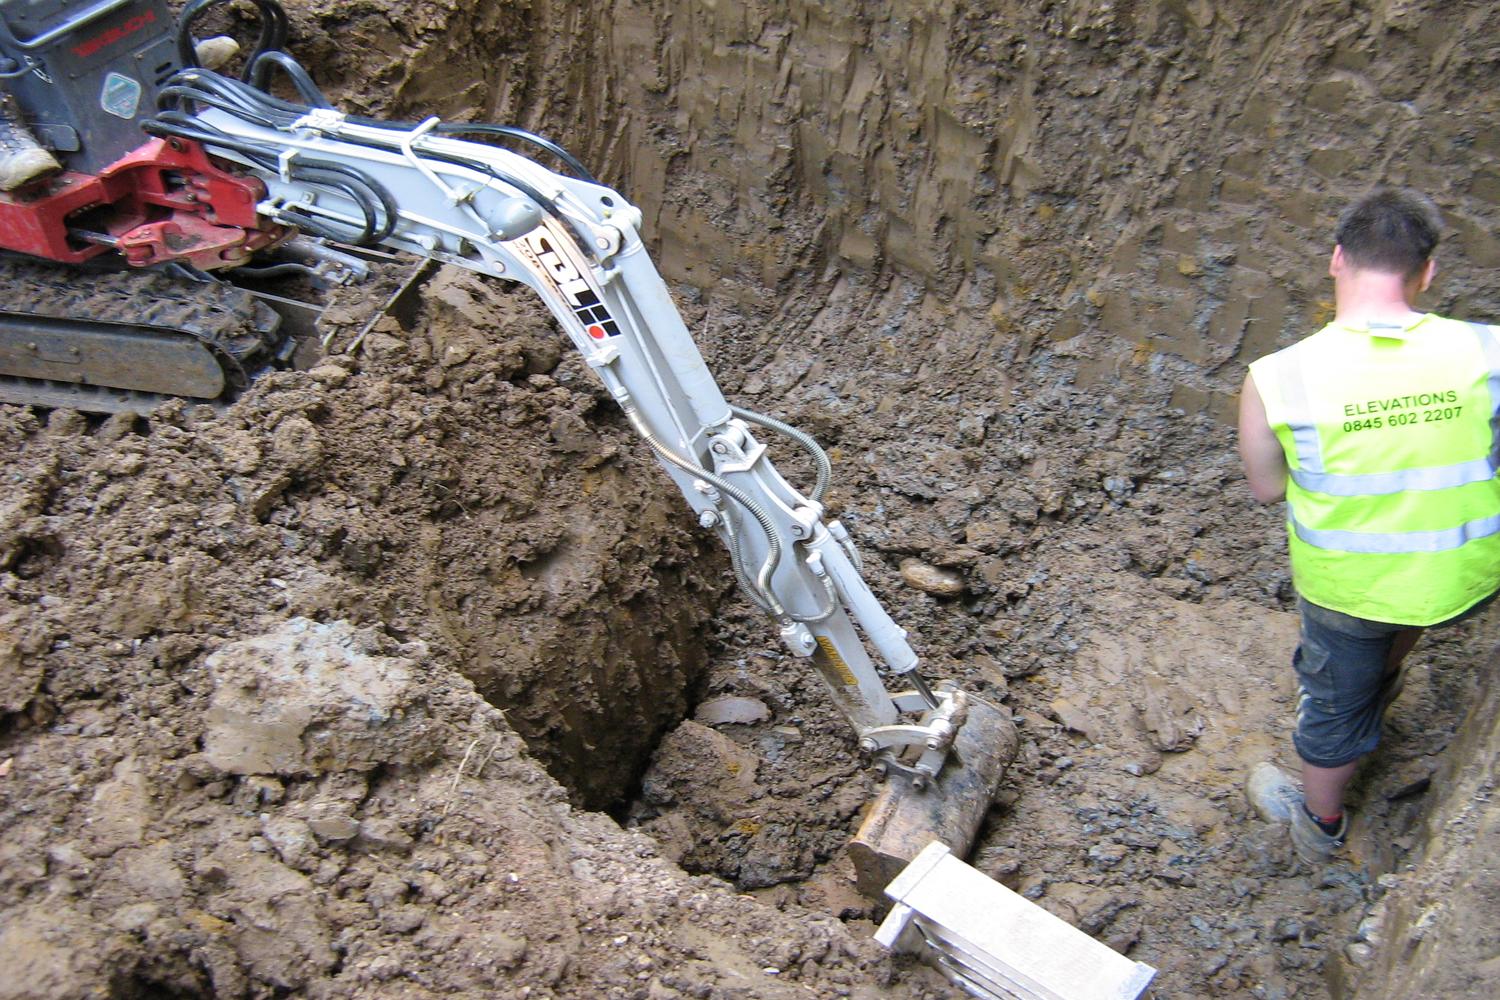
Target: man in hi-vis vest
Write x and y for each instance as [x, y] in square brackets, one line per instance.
[1382, 432]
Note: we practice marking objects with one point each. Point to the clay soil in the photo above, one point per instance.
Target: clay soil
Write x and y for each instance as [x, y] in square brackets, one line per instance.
[410, 675]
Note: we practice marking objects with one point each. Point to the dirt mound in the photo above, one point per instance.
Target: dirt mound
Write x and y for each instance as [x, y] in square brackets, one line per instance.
[243, 751]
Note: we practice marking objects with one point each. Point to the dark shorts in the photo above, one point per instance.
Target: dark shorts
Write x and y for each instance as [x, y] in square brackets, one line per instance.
[1340, 663]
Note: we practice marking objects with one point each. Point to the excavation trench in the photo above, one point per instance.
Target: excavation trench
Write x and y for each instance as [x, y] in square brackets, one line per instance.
[1007, 263]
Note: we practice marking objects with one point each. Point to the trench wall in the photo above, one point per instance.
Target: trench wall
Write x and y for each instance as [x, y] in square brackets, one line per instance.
[1438, 936]
[1159, 179]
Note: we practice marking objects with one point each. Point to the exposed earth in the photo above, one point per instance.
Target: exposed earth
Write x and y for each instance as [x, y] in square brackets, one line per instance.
[410, 675]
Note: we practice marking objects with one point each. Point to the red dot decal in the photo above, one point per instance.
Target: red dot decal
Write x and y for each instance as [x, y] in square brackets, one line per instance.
[596, 331]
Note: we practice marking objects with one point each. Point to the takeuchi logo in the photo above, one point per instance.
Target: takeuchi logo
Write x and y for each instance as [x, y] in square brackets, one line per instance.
[108, 37]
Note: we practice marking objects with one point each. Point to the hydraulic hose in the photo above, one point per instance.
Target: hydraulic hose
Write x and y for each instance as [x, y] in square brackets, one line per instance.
[819, 456]
[773, 540]
[273, 29]
[260, 72]
[737, 563]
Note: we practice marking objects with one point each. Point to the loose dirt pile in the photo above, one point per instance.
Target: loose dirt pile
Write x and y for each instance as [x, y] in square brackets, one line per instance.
[279, 684]
[241, 755]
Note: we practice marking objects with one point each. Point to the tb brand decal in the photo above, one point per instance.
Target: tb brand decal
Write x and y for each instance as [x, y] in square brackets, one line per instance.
[596, 320]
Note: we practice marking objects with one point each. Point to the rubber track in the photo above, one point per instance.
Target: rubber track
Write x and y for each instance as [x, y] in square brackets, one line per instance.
[239, 330]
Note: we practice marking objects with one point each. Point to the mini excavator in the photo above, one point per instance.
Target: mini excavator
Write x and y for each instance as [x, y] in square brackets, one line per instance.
[139, 182]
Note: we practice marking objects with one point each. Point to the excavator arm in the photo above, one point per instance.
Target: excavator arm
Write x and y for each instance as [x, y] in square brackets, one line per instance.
[576, 243]
[231, 172]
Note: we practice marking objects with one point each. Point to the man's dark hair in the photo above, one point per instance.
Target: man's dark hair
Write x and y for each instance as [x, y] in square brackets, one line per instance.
[1391, 231]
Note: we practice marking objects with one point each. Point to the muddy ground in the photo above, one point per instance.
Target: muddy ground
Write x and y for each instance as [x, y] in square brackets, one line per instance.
[374, 683]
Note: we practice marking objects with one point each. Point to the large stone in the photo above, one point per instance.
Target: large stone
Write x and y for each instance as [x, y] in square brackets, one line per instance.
[931, 580]
[312, 698]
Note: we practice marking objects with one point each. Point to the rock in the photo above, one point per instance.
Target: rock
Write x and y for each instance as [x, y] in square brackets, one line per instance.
[279, 930]
[1108, 855]
[971, 429]
[931, 580]
[331, 821]
[291, 838]
[774, 855]
[732, 710]
[996, 537]
[1286, 929]
[237, 449]
[1170, 721]
[1089, 908]
[696, 764]
[296, 444]
[150, 873]
[960, 556]
[1077, 719]
[571, 434]
[386, 890]
[384, 834]
[403, 919]
[120, 809]
[506, 950]
[312, 698]
[330, 375]
[264, 790]
[134, 918]
[20, 672]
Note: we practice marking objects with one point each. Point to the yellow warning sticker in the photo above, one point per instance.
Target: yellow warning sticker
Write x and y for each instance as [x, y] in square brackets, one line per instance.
[828, 660]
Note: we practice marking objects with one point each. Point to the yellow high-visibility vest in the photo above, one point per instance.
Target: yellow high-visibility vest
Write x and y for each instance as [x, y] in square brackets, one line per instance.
[1392, 440]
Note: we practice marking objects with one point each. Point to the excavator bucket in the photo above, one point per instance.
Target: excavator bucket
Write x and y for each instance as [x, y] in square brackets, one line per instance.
[902, 819]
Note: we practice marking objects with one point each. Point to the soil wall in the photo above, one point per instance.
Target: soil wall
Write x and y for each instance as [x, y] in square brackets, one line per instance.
[1159, 178]
[1007, 260]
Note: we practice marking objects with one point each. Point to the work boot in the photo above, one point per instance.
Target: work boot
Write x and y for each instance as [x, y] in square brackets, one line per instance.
[1313, 844]
[21, 159]
[1277, 798]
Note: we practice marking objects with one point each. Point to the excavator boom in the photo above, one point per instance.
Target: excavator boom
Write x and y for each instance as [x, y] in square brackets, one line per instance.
[421, 188]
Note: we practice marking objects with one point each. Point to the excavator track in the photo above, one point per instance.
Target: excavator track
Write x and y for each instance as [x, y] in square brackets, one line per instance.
[121, 341]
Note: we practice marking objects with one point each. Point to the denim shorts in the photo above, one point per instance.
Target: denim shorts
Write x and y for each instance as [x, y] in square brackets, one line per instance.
[1340, 663]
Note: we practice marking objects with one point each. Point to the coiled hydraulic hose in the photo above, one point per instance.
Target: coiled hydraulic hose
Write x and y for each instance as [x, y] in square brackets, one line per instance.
[820, 457]
[273, 31]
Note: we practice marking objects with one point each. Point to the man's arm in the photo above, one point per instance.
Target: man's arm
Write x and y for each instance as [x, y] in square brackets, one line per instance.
[1260, 452]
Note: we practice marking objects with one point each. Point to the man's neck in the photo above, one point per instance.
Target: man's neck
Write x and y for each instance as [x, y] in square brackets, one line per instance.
[1367, 297]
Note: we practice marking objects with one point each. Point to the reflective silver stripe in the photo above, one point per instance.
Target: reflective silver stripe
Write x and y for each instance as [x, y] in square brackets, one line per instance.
[1397, 543]
[1438, 477]
[1489, 342]
[1299, 417]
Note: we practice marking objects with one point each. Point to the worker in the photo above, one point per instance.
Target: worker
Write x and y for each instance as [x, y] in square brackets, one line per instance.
[1382, 433]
